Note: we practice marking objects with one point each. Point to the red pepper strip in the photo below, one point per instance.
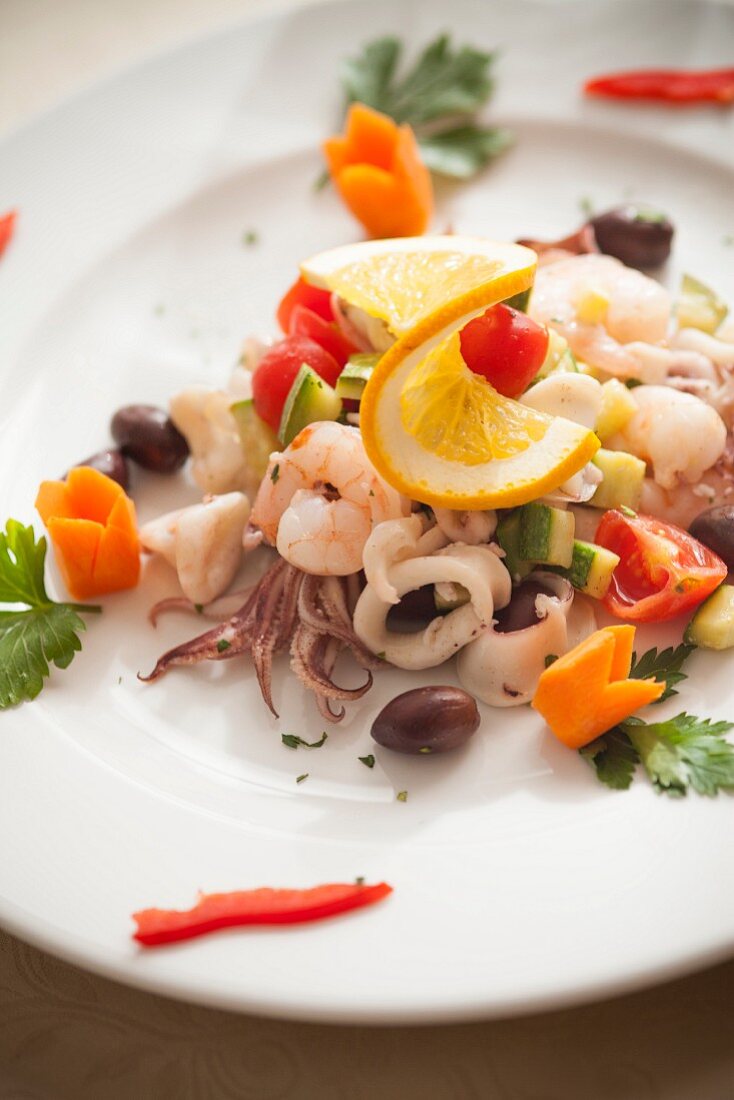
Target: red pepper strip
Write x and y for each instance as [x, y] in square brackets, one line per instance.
[264, 906]
[7, 225]
[674, 86]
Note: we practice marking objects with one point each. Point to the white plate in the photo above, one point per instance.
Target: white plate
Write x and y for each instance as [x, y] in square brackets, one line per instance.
[520, 882]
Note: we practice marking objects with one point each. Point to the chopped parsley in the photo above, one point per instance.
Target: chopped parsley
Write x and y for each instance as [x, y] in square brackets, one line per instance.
[275, 473]
[223, 645]
[368, 761]
[550, 658]
[291, 741]
[250, 237]
[300, 778]
[402, 796]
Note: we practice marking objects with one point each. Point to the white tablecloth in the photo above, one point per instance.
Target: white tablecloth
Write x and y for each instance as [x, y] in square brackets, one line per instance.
[67, 1034]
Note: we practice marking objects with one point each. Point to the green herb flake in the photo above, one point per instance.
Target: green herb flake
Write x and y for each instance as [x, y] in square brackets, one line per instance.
[586, 206]
[199, 608]
[550, 658]
[275, 473]
[381, 655]
[250, 237]
[426, 749]
[368, 761]
[402, 796]
[647, 214]
[291, 741]
[629, 512]
[359, 880]
[300, 778]
[223, 645]
[39, 633]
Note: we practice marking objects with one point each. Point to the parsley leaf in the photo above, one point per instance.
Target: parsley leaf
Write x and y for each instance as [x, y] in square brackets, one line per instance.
[614, 758]
[42, 633]
[437, 97]
[368, 761]
[461, 151]
[291, 741]
[663, 667]
[685, 751]
[678, 753]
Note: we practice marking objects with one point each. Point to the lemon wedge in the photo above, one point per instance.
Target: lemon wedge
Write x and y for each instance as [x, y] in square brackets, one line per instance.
[406, 280]
[442, 435]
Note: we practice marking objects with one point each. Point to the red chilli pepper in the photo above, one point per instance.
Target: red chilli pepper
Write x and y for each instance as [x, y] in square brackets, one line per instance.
[7, 227]
[673, 86]
[264, 906]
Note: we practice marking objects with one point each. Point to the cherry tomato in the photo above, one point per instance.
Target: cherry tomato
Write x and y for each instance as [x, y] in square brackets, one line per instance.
[301, 294]
[7, 225]
[304, 322]
[276, 371]
[663, 571]
[505, 347]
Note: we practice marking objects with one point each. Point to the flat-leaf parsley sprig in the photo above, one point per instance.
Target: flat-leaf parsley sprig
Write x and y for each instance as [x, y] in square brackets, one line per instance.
[678, 753]
[35, 631]
[438, 97]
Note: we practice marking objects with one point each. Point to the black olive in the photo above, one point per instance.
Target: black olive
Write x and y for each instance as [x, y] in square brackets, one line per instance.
[427, 720]
[637, 235]
[520, 611]
[715, 529]
[149, 437]
[112, 463]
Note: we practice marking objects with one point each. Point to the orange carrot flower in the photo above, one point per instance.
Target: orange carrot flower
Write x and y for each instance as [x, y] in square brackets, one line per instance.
[91, 521]
[377, 169]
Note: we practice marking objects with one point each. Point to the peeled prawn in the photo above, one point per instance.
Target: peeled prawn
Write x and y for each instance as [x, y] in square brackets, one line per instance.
[321, 498]
[678, 434]
[637, 315]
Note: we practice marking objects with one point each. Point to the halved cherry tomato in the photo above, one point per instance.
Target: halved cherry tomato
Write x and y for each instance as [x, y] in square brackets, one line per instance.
[276, 372]
[505, 347]
[7, 225]
[301, 294]
[304, 322]
[663, 571]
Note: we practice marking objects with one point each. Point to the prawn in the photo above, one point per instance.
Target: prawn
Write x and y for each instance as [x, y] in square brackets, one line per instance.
[320, 499]
[679, 435]
[636, 315]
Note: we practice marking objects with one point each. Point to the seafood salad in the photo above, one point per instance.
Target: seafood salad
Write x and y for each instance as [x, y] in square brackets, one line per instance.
[293, 457]
[501, 455]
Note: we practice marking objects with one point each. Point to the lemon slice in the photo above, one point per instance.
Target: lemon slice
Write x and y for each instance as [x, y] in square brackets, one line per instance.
[406, 280]
[442, 435]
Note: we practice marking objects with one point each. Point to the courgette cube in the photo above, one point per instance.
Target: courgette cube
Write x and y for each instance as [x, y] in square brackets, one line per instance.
[310, 399]
[712, 627]
[546, 534]
[699, 306]
[558, 357]
[356, 374]
[591, 568]
[508, 537]
[447, 596]
[257, 438]
[623, 478]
